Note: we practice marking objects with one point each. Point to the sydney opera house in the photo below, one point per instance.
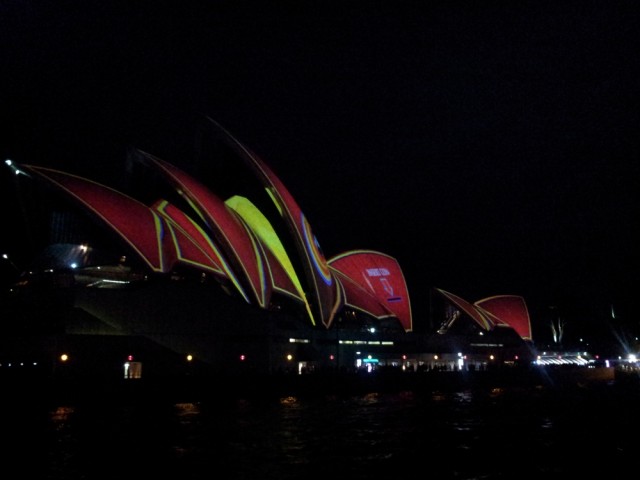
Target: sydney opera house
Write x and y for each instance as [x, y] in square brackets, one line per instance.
[212, 267]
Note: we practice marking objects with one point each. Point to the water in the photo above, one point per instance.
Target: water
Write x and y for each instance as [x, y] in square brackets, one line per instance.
[481, 433]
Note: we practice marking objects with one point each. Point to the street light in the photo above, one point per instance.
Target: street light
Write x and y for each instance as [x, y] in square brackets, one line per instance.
[6, 257]
[9, 163]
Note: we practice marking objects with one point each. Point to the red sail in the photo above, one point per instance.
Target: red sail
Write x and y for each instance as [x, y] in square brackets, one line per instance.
[360, 298]
[476, 314]
[200, 251]
[381, 275]
[510, 309]
[233, 236]
[138, 225]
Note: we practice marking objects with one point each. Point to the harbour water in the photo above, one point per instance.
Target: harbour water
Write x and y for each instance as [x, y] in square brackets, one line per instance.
[465, 432]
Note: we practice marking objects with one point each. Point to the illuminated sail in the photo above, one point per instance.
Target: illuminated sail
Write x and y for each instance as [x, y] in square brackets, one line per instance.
[476, 314]
[359, 298]
[284, 277]
[140, 227]
[381, 276]
[201, 252]
[233, 236]
[324, 296]
[510, 309]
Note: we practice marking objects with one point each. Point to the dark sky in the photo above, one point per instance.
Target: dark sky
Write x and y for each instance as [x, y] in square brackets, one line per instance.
[490, 146]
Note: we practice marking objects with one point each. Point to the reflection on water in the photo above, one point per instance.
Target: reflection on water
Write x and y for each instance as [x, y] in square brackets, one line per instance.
[492, 433]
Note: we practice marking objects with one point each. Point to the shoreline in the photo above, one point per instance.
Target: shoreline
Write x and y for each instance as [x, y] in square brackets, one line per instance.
[316, 385]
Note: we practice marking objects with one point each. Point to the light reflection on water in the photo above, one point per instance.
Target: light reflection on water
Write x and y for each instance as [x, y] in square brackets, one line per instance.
[497, 433]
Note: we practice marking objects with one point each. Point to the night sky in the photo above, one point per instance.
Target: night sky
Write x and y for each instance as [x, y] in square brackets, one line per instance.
[491, 147]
